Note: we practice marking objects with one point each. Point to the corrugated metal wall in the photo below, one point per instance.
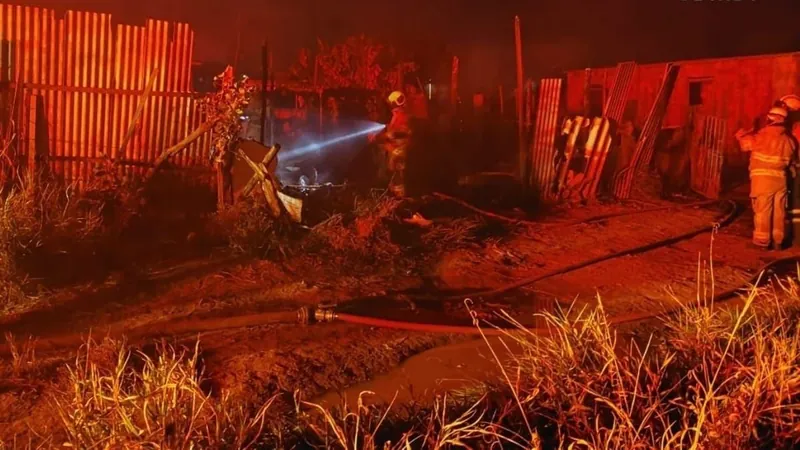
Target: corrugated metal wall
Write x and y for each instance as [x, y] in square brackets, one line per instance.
[740, 89]
[85, 75]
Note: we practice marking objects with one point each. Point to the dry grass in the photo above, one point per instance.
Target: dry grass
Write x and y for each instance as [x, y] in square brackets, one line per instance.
[33, 220]
[143, 402]
[248, 228]
[364, 233]
[709, 378]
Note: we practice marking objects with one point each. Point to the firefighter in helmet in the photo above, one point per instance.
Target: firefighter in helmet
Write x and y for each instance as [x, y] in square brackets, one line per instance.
[792, 104]
[393, 143]
[772, 155]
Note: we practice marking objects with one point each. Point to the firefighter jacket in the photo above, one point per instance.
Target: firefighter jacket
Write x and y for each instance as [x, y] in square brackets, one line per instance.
[772, 151]
[397, 137]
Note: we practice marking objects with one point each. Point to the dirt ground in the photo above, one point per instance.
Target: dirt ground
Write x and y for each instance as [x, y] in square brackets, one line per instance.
[259, 360]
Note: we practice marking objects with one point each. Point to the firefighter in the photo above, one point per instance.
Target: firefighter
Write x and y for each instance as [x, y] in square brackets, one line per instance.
[772, 153]
[393, 143]
[792, 104]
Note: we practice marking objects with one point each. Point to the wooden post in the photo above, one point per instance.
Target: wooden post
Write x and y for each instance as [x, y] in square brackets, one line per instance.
[522, 169]
[264, 81]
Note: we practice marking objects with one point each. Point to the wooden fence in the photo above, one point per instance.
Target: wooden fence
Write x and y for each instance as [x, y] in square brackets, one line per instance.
[78, 80]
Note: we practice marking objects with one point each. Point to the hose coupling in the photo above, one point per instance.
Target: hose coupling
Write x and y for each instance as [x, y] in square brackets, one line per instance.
[307, 315]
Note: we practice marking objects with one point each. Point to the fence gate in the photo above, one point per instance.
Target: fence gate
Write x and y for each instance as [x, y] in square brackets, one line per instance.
[707, 155]
[78, 81]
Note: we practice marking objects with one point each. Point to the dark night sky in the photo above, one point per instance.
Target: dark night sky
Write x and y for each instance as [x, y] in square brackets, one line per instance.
[556, 33]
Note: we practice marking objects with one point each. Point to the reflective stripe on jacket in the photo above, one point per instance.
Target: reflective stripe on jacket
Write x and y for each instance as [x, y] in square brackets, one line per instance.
[772, 150]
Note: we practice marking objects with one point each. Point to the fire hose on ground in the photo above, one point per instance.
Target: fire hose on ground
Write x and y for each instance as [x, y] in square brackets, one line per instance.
[323, 314]
[327, 314]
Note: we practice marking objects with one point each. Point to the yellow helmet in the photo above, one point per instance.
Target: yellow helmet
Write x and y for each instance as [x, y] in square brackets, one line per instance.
[777, 114]
[396, 98]
[791, 102]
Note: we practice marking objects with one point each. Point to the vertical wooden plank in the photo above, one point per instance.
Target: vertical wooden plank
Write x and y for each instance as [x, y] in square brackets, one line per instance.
[127, 67]
[115, 122]
[34, 46]
[108, 98]
[76, 97]
[159, 117]
[191, 106]
[152, 63]
[59, 101]
[90, 124]
[181, 41]
[26, 56]
[33, 169]
[49, 34]
[137, 82]
[18, 50]
[71, 98]
[83, 113]
[169, 128]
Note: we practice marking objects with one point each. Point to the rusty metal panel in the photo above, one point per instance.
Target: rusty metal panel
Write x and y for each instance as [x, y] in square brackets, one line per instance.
[644, 149]
[573, 130]
[543, 149]
[707, 154]
[618, 97]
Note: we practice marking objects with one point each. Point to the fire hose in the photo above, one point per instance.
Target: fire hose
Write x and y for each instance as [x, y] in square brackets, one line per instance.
[327, 314]
[323, 314]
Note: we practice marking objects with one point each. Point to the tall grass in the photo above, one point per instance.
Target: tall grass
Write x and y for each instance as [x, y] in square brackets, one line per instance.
[32, 219]
[708, 378]
[160, 405]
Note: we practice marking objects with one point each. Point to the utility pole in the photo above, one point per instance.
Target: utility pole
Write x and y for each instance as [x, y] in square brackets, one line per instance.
[523, 157]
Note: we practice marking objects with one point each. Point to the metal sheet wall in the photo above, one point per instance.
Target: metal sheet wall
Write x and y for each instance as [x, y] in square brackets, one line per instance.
[85, 75]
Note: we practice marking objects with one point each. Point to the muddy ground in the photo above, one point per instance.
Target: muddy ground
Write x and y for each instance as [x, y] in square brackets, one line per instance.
[259, 360]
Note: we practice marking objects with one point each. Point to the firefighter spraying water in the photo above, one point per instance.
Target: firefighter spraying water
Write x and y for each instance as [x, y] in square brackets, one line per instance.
[392, 145]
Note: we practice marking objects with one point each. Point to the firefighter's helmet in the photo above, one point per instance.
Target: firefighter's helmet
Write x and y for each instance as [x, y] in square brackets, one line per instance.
[777, 114]
[791, 102]
[396, 99]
